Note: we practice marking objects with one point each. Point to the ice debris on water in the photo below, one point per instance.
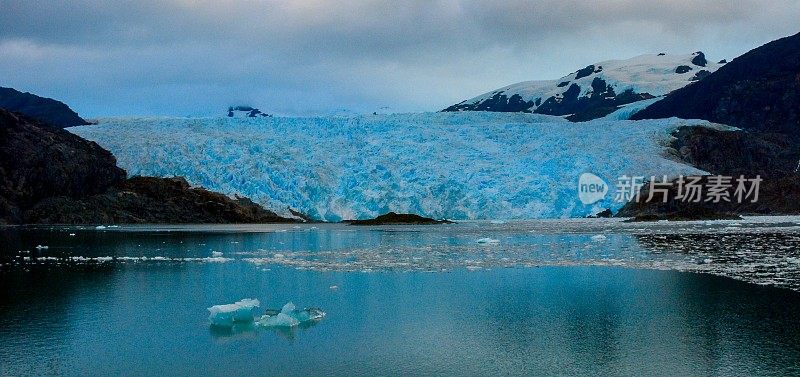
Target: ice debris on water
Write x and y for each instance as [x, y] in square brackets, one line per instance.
[598, 238]
[40, 247]
[487, 240]
[290, 316]
[242, 312]
[227, 314]
[216, 254]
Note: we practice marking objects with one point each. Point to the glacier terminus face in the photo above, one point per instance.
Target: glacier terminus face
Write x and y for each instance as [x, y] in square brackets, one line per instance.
[465, 165]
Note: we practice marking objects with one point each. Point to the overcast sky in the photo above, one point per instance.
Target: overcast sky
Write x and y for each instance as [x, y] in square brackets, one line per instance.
[181, 57]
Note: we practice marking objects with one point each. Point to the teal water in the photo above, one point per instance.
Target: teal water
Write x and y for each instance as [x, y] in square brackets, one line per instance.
[546, 299]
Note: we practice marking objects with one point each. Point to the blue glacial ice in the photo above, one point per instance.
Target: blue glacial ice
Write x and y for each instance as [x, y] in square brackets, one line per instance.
[290, 316]
[468, 165]
[228, 314]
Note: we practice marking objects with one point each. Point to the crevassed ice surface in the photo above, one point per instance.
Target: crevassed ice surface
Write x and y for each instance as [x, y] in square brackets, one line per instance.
[472, 165]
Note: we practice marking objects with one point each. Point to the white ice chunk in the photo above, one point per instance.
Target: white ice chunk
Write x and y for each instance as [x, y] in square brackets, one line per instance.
[487, 240]
[289, 316]
[288, 308]
[227, 314]
[278, 320]
[598, 238]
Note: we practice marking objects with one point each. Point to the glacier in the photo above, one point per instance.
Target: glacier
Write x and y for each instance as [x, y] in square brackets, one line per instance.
[464, 165]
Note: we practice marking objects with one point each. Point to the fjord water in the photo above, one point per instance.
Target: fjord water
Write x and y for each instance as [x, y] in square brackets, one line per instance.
[548, 298]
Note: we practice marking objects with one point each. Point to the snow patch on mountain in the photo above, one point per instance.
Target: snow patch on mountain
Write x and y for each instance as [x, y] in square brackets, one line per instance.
[470, 165]
[606, 85]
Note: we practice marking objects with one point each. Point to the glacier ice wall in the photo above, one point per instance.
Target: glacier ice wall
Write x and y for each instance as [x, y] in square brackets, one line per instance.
[470, 165]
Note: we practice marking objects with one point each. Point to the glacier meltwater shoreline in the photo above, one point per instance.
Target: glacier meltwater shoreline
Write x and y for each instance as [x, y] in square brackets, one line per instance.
[470, 165]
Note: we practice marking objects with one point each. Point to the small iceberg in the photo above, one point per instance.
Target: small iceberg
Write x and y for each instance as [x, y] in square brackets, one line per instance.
[241, 312]
[487, 240]
[598, 238]
[226, 315]
[289, 316]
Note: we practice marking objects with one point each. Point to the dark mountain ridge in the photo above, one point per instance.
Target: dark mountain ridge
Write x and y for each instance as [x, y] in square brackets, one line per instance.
[50, 112]
[757, 91]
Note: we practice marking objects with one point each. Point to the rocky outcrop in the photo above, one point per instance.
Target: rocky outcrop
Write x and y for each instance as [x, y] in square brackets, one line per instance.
[770, 156]
[46, 110]
[245, 112]
[732, 153]
[392, 218]
[777, 196]
[48, 176]
[38, 162]
[601, 101]
[151, 200]
[604, 214]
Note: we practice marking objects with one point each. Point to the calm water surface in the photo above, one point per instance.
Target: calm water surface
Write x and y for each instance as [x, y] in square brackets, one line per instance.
[532, 298]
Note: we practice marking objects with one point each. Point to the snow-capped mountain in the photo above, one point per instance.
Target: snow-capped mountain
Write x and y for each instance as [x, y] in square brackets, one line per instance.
[598, 89]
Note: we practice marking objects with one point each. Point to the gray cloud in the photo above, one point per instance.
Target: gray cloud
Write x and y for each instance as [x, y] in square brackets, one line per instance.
[195, 57]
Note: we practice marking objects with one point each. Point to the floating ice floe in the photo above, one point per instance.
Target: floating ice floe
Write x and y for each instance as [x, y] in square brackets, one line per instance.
[216, 254]
[242, 312]
[289, 316]
[487, 240]
[598, 238]
[40, 247]
[226, 315]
